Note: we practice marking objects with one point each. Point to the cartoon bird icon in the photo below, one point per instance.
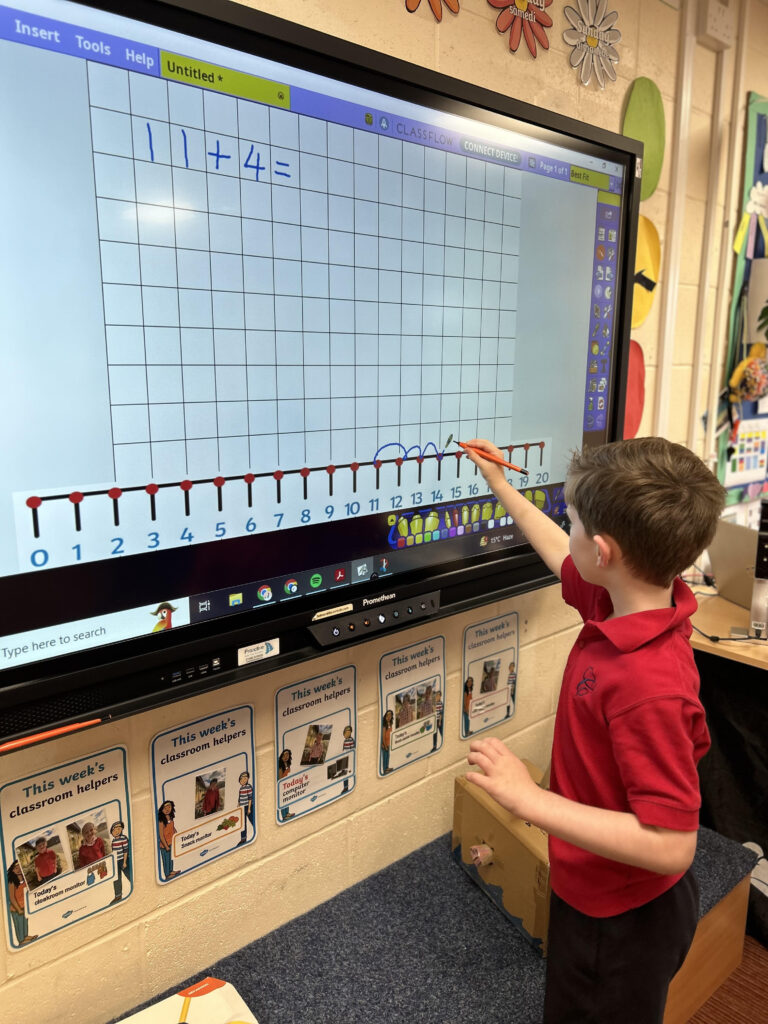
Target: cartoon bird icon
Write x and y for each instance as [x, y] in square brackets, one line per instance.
[164, 611]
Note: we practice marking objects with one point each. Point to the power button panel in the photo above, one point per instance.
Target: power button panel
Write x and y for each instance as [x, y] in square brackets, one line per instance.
[375, 617]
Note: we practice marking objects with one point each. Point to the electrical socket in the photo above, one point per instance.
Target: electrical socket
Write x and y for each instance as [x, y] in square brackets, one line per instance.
[715, 28]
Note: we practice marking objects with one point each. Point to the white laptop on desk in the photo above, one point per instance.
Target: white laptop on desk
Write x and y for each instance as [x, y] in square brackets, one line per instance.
[732, 556]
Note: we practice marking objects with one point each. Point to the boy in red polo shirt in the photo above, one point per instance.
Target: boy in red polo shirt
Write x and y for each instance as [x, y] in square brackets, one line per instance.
[46, 862]
[622, 810]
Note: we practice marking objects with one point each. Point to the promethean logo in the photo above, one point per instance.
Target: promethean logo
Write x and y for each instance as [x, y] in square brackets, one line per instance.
[378, 600]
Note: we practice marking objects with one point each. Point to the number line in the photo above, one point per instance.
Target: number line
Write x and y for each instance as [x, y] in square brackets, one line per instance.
[77, 497]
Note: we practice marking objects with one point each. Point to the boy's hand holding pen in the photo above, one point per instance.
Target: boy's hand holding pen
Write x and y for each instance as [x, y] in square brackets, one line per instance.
[489, 460]
[542, 533]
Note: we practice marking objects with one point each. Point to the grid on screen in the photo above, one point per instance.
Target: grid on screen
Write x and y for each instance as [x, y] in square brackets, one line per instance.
[284, 291]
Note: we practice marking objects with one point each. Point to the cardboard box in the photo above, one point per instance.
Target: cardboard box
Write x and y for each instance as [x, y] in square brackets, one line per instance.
[517, 876]
[209, 1001]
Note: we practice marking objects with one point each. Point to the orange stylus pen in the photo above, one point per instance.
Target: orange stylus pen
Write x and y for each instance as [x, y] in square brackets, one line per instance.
[492, 458]
[49, 734]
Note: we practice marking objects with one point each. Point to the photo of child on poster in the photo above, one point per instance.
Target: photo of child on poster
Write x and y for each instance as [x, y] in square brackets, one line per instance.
[411, 682]
[41, 859]
[316, 744]
[89, 839]
[316, 722]
[55, 834]
[209, 793]
[204, 800]
[489, 674]
[489, 680]
[83, 843]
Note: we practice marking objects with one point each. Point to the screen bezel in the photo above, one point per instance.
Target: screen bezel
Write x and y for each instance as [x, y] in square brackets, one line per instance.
[133, 675]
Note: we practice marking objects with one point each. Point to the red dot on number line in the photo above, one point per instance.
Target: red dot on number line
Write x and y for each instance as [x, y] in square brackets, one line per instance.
[34, 502]
[219, 481]
[76, 497]
[186, 485]
[278, 474]
[152, 488]
[398, 462]
[330, 470]
[355, 466]
[304, 472]
[377, 463]
[249, 478]
[115, 493]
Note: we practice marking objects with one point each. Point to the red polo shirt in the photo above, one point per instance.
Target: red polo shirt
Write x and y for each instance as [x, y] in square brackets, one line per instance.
[45, 863]
[629, 733]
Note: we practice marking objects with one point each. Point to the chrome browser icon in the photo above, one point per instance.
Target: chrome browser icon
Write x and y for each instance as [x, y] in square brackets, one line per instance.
[291, 586]
[264, 593]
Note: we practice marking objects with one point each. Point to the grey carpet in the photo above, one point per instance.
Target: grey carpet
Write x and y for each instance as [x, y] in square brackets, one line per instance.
[416, 942]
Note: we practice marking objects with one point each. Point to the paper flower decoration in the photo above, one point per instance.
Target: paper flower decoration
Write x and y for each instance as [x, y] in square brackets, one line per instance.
[524, 19]
[435, 5]
[592, 36]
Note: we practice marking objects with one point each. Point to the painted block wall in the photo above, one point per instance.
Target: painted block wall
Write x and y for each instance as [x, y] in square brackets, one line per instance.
[161, 934]
[102, 967]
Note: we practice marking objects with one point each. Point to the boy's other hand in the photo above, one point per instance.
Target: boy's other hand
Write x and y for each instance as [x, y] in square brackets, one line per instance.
[502, 775]
[492, 471]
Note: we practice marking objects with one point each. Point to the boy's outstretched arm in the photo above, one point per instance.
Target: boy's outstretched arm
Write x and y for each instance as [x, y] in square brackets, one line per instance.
[549, 540]
[618, 835]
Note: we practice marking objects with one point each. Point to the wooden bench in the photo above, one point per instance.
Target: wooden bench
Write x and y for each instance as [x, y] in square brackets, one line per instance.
[718, 944]
[516, 880]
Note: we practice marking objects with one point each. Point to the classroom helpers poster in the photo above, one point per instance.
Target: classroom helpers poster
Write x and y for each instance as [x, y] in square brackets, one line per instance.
[204, 789]
[489, 674]
[412, 686]
[66, 845]
[316, 739]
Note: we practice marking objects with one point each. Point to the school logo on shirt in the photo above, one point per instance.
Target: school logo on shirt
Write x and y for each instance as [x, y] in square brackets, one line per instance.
[587, 682]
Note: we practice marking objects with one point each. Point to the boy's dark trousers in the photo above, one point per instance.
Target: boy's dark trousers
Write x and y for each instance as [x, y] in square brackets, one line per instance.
[616, 970]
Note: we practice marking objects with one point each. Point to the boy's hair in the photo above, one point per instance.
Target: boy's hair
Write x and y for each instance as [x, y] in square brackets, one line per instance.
[656, 499]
